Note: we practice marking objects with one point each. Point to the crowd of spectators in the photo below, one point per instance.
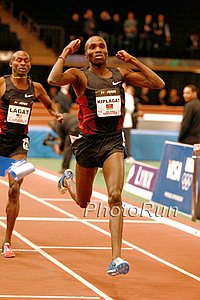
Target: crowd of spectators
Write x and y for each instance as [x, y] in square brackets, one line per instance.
[150, 38]
[166, 96]
[152, 32]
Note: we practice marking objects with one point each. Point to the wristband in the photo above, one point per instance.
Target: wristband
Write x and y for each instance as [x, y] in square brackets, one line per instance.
[61, 57]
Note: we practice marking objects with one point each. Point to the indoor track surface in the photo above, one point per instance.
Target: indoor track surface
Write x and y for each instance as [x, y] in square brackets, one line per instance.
[62, 254]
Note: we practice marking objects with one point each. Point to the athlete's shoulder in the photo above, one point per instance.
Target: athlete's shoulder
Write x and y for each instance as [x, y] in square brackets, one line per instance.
[2, 86]
[37, 85]
[124, 71]
[4, 78]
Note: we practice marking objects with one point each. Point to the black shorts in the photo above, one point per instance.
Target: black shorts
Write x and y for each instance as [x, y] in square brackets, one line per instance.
[10, 146]
[91, 151]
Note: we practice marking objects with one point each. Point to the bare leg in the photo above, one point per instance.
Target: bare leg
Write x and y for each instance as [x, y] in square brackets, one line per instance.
[114, 178]
[13, 205]
[81, 190]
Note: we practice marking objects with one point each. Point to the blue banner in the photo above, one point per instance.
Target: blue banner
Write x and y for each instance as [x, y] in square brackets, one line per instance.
[173, 186]
[5, 163]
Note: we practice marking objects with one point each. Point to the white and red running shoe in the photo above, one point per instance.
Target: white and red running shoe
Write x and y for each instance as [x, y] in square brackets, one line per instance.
[7, 251]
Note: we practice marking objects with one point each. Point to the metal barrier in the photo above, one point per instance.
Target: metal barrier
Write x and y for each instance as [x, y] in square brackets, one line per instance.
[52, 35]
[195, 189]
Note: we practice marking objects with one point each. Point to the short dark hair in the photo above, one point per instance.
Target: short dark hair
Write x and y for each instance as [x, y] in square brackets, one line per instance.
[194, 88]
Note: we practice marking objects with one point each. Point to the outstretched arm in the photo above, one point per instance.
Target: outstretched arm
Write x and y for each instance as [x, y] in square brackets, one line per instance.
[57, 76]
[144, 78]
[43, 97]
[2, 86]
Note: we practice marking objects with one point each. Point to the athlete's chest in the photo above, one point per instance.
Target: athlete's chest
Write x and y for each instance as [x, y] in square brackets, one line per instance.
[17, 105]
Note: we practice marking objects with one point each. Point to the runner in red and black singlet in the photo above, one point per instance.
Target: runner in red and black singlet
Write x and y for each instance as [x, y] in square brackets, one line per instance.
[17, 94]
[15, 108]
[106, 113]
[15, 111]
[100, 97]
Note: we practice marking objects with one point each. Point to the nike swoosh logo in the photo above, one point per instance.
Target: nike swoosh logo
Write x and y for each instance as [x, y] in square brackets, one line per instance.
[28, 96]
[117, 82]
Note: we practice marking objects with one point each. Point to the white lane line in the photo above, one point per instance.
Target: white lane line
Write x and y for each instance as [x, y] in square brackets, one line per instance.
[163, 220]
[50, 219]
[48, 297]
[69, 248]
[81, 248]
[103, 197]
[58, 199]
[95, 227]
[59, 264]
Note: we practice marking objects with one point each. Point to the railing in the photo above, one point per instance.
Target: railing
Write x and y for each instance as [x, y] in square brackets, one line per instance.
[195, 184]
[40, 115]
[52, 35]
[159, 109]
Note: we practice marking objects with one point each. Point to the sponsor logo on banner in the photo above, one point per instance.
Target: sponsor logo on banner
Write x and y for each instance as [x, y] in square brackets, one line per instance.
[173, 185]
[141, 180]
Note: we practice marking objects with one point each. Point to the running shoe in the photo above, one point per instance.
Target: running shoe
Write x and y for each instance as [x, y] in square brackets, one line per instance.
[68, 174]
[118, 266]
[49, 139]
[7, 251]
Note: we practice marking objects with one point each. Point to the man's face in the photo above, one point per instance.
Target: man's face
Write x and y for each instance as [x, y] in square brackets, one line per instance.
[96, 51]
[188, 94]
[20, 64]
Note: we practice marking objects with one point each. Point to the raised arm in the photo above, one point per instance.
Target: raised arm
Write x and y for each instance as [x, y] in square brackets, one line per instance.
[144, 77]
[57, 76]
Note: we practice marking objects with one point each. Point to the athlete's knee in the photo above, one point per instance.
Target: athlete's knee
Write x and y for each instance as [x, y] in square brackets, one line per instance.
[114, 199]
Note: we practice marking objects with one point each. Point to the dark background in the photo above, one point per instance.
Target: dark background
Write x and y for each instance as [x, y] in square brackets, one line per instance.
[183, 17]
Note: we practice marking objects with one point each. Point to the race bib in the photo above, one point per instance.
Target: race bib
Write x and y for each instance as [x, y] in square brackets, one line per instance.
[26, 144]
[18, 112]
[108, 102]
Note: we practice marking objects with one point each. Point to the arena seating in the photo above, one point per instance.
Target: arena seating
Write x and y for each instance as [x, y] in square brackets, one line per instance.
[8, 39]
[182, 19]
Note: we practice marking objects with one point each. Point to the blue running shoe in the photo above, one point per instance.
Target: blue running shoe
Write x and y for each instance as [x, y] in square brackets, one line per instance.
[118, 266]
[68, 174]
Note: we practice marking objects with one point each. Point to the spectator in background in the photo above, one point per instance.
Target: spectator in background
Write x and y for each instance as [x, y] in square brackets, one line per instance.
[174, 98]
[128, 124]
[190, 125]
[146, 37]
[144, 96]
[52, 92]
[136, 108]
[192, 47]
[117, 34]
[63, 98]
[89, 24]
[161, 36]
[130, 27]
[162, 97]
[105, 26]
[62, 144]
[74, 30]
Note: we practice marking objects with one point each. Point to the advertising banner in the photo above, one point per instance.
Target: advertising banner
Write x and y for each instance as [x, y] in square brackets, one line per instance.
[5, 163]
[141, 180]
[173, 186]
